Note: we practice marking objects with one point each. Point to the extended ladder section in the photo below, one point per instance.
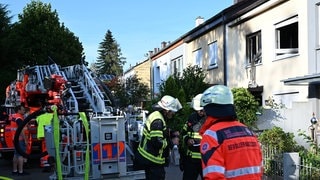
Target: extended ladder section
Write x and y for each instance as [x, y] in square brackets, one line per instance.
[31, 82]
[89, 92]
[83, 90]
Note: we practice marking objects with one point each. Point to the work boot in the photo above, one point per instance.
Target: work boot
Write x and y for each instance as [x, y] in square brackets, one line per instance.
[23, 173]
[47, 169]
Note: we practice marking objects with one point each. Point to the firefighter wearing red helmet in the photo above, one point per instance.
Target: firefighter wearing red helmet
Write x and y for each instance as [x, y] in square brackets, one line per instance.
[229, 149]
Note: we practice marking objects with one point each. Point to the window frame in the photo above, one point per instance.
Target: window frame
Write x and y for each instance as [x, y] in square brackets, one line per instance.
[198, 57]
[282, 28]
[176, 66]
[213, 55]
[254, 48]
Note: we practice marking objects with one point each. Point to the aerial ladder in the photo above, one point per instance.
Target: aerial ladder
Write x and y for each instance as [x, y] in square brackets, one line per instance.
[86, 137]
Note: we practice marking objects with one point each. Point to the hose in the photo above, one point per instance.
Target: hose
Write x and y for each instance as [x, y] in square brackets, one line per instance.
[18, 132]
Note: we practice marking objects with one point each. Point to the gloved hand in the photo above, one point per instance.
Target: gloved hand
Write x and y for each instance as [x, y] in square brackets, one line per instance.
[181, 164]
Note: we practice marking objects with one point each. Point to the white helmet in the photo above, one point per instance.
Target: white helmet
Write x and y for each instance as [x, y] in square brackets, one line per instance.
[217, 94]
[170, 103]
[196, 102]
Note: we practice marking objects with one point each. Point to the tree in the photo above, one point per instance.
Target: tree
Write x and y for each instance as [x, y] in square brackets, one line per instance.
[5, 26]
[136, 90]
[184, 88]
[39, 35]
[36, 36]
[7, 73]
[110, 60]
[193, 81]
[131, 91]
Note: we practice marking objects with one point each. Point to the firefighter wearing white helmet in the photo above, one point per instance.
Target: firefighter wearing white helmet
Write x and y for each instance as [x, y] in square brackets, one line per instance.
[153, 150]
[227, 145]
[190, 157]
[217, 101]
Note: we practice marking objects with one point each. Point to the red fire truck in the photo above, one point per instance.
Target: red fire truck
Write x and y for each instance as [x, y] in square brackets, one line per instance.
[86, 136]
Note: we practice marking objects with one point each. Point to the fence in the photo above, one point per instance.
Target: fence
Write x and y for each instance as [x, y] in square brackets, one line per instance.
[288, 165]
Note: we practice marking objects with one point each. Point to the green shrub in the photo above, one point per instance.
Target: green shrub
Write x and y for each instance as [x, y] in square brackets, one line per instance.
[246, 106]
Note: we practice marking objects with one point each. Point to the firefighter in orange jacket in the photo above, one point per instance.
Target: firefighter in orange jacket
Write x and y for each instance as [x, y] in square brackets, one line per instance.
[229, 149]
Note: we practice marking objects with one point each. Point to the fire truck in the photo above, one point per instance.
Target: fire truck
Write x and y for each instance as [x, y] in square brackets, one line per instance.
[85, 138]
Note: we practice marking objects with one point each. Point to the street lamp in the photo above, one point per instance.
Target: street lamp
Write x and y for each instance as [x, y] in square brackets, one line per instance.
[313, 121]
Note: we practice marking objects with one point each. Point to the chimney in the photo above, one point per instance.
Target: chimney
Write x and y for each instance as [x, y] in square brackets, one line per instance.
[199, 20]
[150, 53]
[163, 44]
[236, 1]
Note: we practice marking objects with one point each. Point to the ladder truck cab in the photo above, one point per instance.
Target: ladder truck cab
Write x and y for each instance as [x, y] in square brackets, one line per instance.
[85, 135]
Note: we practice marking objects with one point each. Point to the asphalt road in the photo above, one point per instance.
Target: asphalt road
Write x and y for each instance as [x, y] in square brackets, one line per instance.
[33, 168]
[172, 172]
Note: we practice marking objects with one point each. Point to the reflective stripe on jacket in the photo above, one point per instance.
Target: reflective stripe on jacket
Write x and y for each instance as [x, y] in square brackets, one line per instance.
[191, 131]
[229, 150]
[153, 142]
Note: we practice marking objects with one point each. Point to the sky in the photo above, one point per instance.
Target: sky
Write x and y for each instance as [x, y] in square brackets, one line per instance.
[138, 26]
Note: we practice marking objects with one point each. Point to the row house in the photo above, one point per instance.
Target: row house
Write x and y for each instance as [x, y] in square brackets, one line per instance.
[270, 47]
[141, 70]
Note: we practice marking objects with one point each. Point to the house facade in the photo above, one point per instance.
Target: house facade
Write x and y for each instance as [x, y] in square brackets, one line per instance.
[168, 61]
[141, 70]
[271, 47]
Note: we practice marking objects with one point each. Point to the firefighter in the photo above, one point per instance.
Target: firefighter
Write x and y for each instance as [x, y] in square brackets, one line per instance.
[190, 157]
[229, 149]
[18, 159]
[42, 121]
[153, 150]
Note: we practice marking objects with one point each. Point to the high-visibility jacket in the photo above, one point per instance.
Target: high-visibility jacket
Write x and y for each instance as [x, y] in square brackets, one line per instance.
[16, 119]
[43, 120]
[229, 150]
[153, 142]
[191, 131]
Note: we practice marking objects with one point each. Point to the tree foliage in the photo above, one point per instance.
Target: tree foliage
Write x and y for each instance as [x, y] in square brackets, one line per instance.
[130, 92]
[184, 88]
[7, 73]
[39, 35]
[192, 81]
[36, 36]
[136, 90]
[110, 60]
[5, 21]
[246, 106]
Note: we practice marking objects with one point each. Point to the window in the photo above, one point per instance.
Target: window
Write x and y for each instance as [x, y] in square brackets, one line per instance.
[317, 24]
[197, 55]
[176, 66]
[287, 43]
[213, 54]
[254, 48]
